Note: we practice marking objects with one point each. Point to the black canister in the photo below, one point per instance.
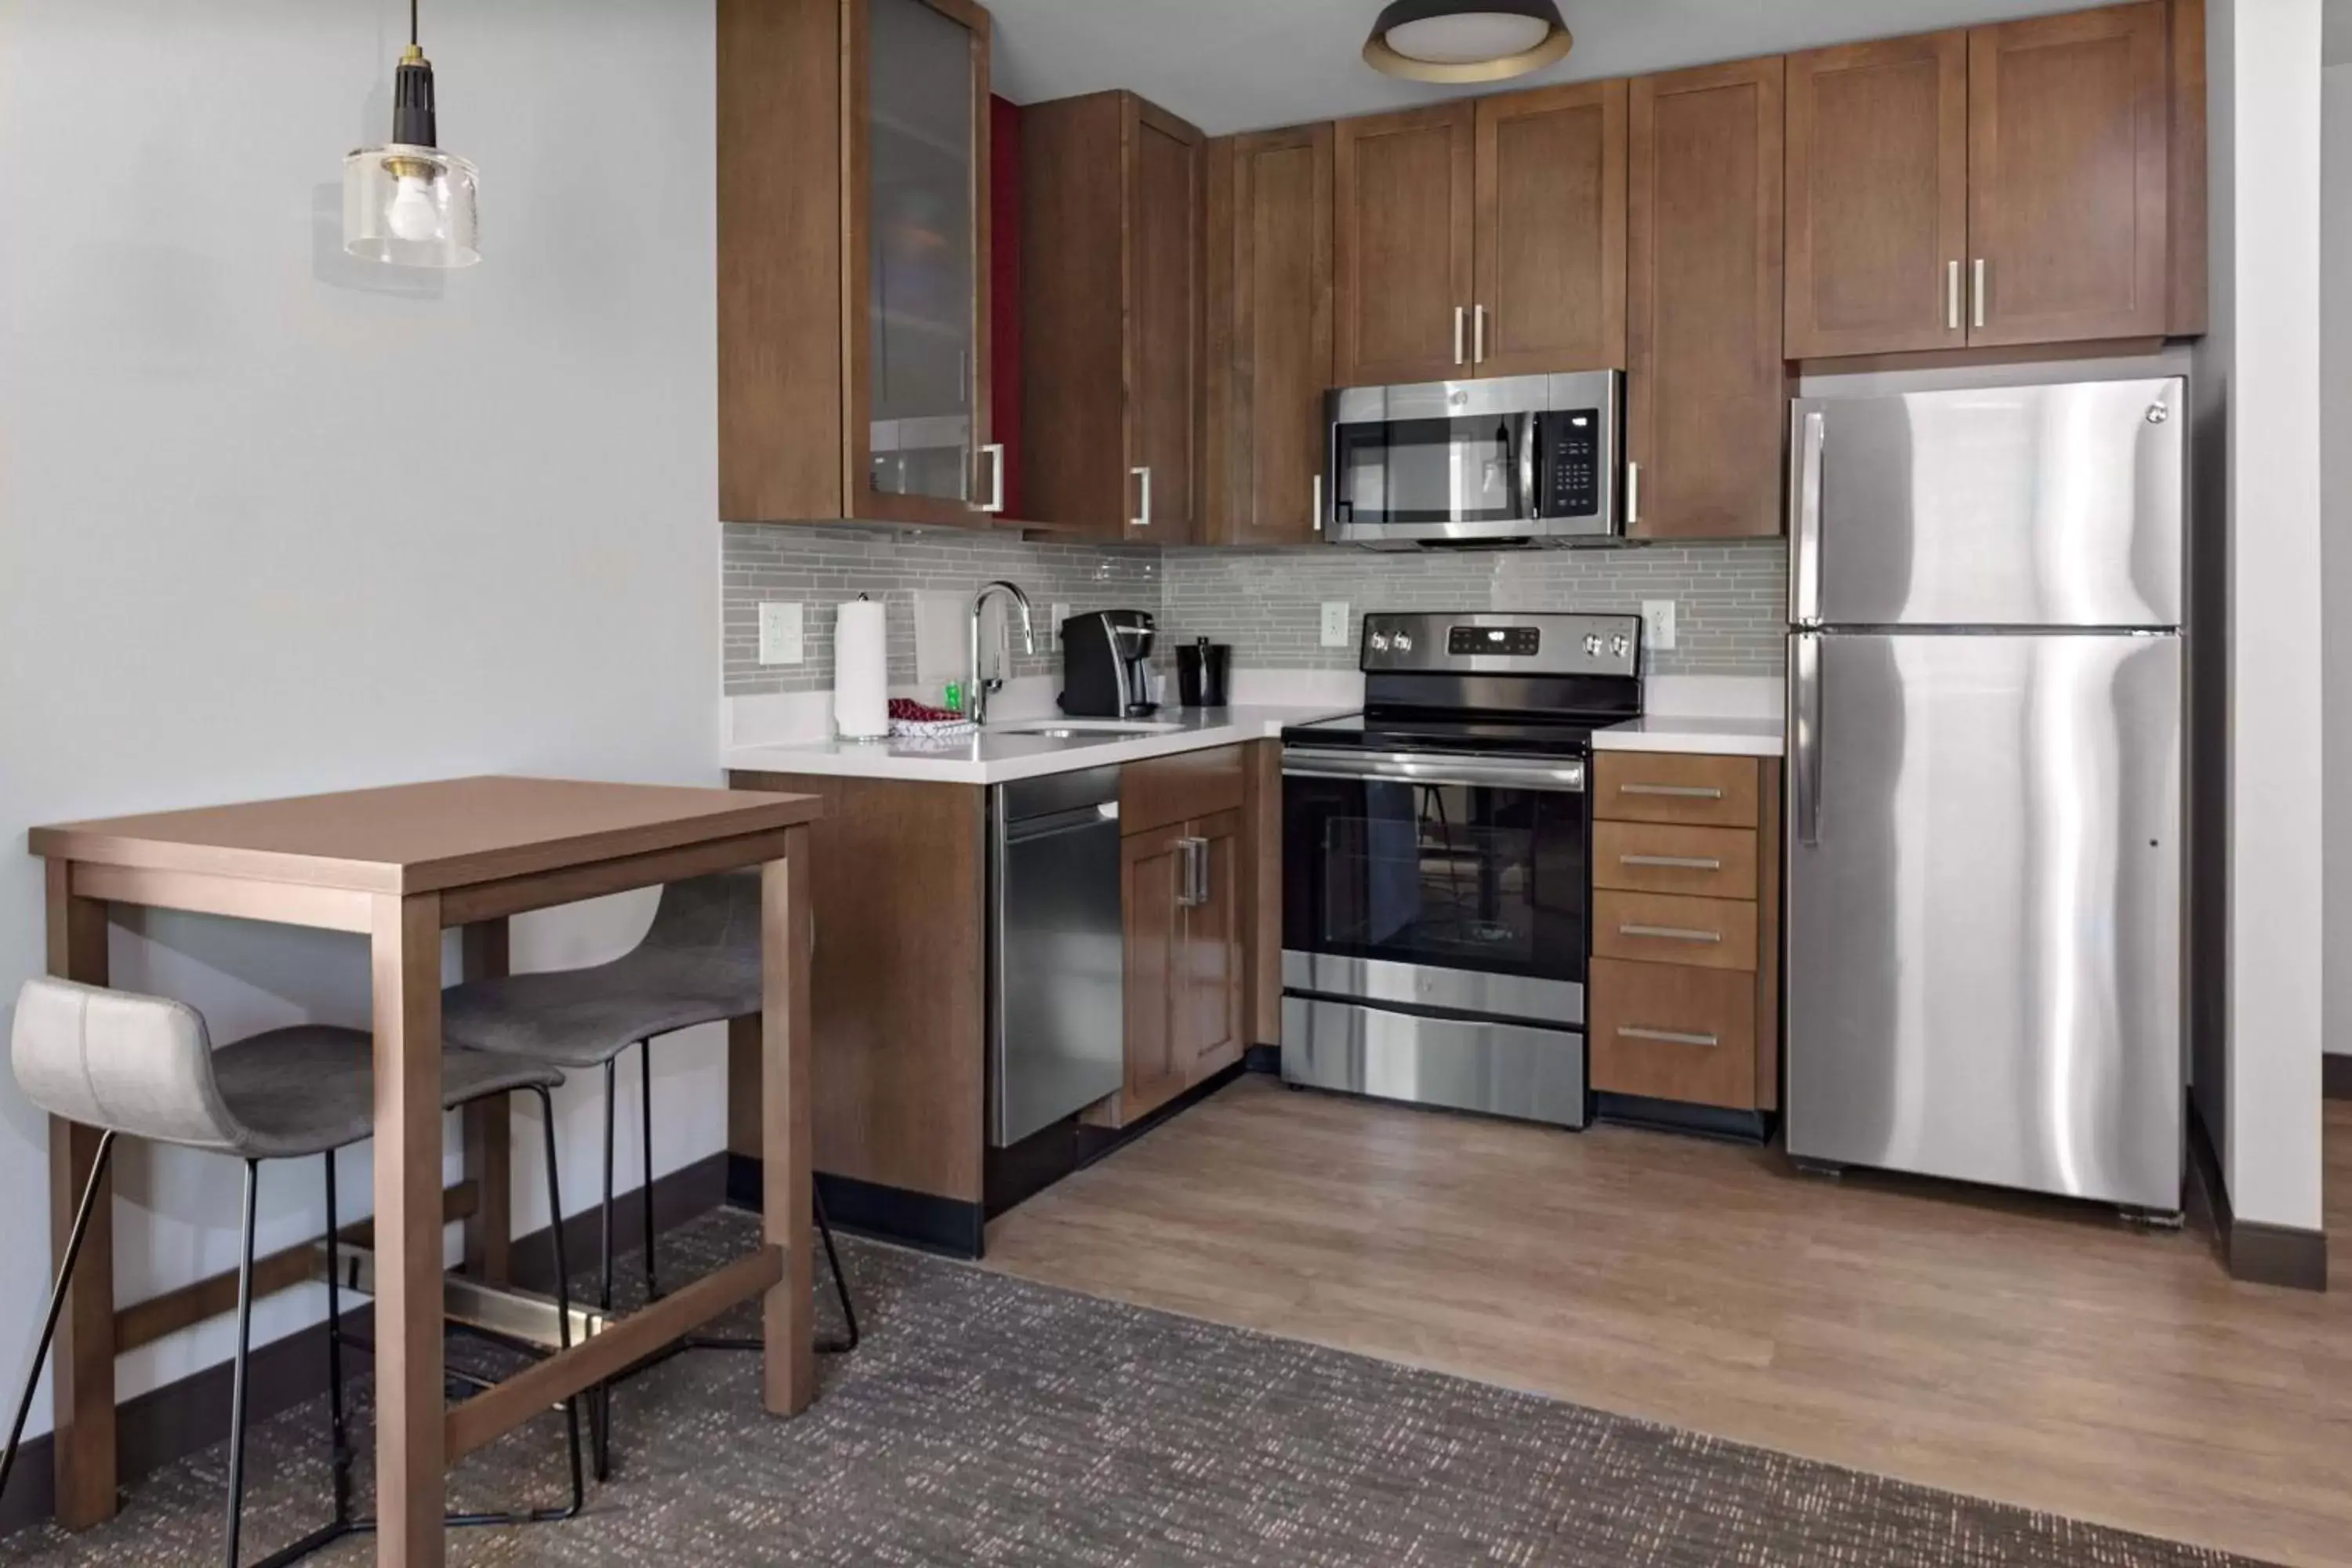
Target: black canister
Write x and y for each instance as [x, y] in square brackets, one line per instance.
[1202, 671]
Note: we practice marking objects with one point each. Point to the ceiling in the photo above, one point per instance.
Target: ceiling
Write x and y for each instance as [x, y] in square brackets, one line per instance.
[1248, 65]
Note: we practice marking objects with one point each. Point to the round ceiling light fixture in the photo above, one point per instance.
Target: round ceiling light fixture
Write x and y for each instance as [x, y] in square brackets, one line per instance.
[1467, 40]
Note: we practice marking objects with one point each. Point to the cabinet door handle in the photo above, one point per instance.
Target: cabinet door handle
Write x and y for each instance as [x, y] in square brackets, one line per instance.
[1632, 494]
[1670, 1036]
[1672, 862]
[1671, 933]
[1478, 335]
[1458, 314]
[1675, 792]
[994, 452]
[1978, 312]
[1318, 504]
[1194, 889]
[1952, 295]
[1143, 519]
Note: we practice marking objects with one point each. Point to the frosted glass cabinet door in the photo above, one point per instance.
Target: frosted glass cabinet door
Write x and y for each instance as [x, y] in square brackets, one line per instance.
[922, 373]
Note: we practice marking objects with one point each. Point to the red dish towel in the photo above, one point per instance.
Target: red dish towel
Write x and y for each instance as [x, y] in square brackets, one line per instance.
[906, 710]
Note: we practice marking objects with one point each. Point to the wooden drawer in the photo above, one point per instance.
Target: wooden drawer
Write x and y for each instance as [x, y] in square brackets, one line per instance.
[1674, 787]
[1659, 927]
[1668, 1032]
[1653, 857]
[1168, 790]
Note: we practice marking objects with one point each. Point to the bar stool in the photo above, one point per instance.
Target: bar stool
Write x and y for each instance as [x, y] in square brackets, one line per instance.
[698, 964]
[143, 1067]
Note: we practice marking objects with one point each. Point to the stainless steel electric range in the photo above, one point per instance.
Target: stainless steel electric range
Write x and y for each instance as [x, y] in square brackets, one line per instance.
[1436, 863]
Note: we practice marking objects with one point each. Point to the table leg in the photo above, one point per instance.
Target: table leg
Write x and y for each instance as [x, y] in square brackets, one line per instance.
[490, 1135]
[786, 1198]
[408, 1312]
[82, 1375]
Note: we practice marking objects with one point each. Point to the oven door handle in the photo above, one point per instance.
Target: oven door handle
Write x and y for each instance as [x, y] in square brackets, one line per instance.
[1564, 778]
[1531, 503]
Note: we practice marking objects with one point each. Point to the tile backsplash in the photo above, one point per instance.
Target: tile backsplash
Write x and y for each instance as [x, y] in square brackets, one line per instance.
[1730, 600]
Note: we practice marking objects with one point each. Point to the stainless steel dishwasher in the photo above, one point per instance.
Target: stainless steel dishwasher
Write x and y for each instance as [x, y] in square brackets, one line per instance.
[1057, 950]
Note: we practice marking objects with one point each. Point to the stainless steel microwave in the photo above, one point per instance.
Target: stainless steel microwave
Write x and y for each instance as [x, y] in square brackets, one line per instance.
[1523, 459]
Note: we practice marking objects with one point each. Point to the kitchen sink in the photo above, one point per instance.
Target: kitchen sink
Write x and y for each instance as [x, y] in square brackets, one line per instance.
[1084, 729]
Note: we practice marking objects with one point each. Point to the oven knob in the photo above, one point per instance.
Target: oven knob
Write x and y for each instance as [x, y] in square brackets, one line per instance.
[1592, 644]
[1380, 642]
[1404, 642]
[1620, 647]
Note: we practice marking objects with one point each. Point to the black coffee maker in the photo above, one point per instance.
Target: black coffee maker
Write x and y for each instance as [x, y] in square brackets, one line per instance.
[1105, 659]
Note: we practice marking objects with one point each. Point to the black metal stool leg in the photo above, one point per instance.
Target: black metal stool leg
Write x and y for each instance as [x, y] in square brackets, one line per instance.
[645, 1106]
[604, 1423]
[56, 1303]
[562, 1300]
[338, 1425]
[237, 1389]
[840, 1282]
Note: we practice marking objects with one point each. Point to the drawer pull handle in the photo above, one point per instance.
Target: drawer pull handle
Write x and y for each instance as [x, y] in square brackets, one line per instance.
[1671, 1036]
[1673, 862]
[1675, 791]
[1671, 933]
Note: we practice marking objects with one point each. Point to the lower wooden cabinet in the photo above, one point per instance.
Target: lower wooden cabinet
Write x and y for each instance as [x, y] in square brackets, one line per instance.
[1684, 1003]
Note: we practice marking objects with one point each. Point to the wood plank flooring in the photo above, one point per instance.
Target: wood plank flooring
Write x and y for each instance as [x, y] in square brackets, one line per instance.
[2035, 1352]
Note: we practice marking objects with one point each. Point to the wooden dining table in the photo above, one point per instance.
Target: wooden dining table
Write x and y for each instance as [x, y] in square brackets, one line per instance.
[399, 866]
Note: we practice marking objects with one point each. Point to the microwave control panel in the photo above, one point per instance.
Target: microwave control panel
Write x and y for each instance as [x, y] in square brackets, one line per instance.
[1571, 451]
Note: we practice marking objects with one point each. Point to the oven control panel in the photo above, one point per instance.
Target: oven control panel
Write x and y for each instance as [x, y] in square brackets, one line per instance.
[1502, 643]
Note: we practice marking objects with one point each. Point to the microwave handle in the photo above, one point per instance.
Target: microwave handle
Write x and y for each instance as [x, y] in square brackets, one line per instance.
[1531, 503]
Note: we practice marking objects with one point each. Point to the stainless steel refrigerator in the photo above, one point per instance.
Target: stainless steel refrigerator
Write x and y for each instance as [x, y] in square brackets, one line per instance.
[1985, 812]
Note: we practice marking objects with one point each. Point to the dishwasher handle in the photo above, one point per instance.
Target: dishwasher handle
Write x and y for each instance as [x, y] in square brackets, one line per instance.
[1077, 819]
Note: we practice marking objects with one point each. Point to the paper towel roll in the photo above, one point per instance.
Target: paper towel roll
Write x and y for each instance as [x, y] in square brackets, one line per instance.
[861, 670]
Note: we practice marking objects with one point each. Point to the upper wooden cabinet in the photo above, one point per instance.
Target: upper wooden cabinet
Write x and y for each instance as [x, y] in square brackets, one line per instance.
[1706, 385]
[1484, 237]
[2009, 185]
[1111, 313]
[853, 287]
[1879, 197]
[2068, 174]
[1269, 335]
[1550, 249]
[1403, 197]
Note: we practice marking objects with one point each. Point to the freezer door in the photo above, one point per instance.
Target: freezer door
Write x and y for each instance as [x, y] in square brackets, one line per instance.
[2024, 506]
[1984, 915]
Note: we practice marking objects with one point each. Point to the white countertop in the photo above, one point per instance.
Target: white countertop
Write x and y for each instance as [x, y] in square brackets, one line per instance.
[995, 756]
[1737, 737]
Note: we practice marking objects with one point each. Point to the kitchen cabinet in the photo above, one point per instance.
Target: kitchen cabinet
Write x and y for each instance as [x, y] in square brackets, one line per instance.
[1112, 311]
[853, 277]
[1403, 195]
[1483, 238]
[2068, 176]
[1707, 385]
[1268, 277]
[1685, 988]
[1877, 196]
[1186, 901]
[1999, 186]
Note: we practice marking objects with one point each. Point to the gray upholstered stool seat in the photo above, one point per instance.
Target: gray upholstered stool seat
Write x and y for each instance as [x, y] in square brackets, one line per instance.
[144, 1067]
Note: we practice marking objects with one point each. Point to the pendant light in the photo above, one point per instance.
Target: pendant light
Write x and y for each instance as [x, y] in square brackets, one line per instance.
[407, 203]
[1467, 40]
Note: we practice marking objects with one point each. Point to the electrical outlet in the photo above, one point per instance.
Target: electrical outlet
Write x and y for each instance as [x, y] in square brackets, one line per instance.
[1052, 629]
[780, 634]
[1335, 623]
[1658, 623]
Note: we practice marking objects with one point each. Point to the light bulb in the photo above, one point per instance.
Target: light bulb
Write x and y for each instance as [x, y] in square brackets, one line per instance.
[414, 216]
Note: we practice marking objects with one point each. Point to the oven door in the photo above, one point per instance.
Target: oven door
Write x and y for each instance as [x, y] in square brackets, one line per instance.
[1457, 884]
[1450, 461]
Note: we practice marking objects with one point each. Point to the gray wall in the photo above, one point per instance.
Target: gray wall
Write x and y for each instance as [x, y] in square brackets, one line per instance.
[1731, 599]
[277, 522]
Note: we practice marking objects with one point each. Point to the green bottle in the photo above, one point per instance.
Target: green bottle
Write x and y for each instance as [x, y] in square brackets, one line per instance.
[954, 702]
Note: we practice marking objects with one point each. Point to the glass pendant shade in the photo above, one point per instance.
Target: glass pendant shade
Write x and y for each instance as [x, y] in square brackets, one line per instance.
[411, 207]
[1466, 40]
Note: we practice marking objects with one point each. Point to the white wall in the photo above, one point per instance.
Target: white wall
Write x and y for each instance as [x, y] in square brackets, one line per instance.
[2259, 377]
[2335, 511]
[273, 522]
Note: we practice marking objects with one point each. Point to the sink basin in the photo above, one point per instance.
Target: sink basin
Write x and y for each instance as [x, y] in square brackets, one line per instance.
[1083, 729]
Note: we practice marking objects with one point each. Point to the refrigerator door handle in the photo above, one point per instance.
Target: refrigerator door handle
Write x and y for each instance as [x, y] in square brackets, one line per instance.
[1805, 525]
[1806, 698]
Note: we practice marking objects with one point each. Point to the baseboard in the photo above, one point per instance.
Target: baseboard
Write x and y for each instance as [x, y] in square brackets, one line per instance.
[1678, 1116]
[2254, 1250]
[185, 1417]
[922, 1220]
[2336, 1076]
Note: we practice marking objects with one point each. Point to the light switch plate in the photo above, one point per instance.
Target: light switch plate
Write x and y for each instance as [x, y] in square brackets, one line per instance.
[780, 634]
[1658, 623]
[1049, 636]
[1335, 623]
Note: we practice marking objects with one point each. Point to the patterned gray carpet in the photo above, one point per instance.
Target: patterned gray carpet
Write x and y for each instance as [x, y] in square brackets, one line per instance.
[988, 1420]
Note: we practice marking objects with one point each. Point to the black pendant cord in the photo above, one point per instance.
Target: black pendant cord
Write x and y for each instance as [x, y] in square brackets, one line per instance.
[412, 23]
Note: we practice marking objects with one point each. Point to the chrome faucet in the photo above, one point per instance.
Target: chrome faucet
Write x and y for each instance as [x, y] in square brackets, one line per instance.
[976, 706]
